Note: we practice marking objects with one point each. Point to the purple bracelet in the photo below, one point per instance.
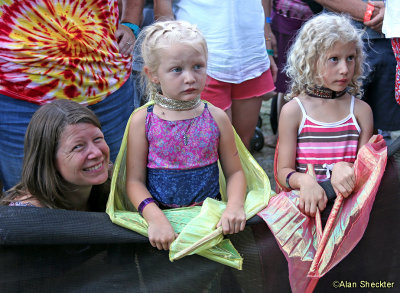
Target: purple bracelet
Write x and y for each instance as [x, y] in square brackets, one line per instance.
[287, 179]
[144, 203]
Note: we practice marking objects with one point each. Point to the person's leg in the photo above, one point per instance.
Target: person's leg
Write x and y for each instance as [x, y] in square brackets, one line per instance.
[113, 113]
[245, 116]
[379, 86]
[14, 119]
[246, 104]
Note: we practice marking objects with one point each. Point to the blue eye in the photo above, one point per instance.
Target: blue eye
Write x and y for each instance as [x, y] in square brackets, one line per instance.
[333, 59]
[177, 69]
[350, 58]
[77, 147]
[197, 67]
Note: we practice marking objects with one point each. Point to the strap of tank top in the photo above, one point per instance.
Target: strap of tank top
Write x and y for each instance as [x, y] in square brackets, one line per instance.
[303, 111]
[352, 105]
[150, 108]
[301, 106]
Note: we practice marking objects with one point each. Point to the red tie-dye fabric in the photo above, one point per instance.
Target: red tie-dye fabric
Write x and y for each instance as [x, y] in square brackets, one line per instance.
[60, 49]
[396, 50]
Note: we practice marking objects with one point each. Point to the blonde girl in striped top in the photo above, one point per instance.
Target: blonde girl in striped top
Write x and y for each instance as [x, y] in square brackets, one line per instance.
[325, 122]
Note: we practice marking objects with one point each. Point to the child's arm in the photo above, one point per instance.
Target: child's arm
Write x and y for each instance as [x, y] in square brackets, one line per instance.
[161, 233]
[343, 179]
[233, 219]
[312, 196]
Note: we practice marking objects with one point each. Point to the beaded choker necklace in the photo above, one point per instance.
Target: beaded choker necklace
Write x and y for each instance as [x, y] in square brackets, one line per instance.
[175, 105]
[323, 92]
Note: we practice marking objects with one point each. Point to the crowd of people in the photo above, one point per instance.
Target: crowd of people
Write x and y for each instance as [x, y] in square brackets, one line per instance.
[67, 90]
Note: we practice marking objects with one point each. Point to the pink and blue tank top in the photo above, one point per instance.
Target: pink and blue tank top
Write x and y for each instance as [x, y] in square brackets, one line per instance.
[324, 144]
[182, 172]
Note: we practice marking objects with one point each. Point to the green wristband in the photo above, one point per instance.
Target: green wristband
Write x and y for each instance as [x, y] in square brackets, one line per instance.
[270, 52]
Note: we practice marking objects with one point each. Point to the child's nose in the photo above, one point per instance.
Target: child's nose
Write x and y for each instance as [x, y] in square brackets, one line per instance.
[344, 67]
[189, 77]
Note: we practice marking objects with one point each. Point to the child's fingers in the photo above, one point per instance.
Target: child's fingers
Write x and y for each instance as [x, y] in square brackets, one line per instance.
[307, 207]
[322, 203]
[313, 209]
[153, 243]
[236, 227]
[243, 225]
[302, 206]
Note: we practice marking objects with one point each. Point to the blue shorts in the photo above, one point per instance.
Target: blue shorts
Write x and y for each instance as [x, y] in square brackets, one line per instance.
[113, 112]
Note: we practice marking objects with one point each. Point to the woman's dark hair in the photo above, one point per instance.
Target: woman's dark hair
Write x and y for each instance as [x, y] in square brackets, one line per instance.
[40, 177]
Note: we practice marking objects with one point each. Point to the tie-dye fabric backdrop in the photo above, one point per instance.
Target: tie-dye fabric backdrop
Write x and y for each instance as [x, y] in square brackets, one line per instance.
[60, 49]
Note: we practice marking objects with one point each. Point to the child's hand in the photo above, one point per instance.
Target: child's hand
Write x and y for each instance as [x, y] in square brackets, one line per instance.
[161, 234]
[312, 196]
[343, 179]
[233, 220]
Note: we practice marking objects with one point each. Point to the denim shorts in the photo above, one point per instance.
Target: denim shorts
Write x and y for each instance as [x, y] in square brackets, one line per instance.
[113, 112]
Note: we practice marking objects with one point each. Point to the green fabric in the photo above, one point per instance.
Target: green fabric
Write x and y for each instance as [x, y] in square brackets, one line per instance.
[193, 223]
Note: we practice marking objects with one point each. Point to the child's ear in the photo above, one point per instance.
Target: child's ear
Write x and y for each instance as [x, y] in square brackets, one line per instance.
[151, 75]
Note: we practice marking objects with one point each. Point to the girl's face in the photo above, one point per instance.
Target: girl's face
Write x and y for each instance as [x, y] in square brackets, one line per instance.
[338, 68]
[182, 72]
[82, 156]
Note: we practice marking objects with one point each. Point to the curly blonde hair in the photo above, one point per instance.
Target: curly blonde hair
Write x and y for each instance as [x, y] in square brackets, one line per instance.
[163, 34]
[309, 52]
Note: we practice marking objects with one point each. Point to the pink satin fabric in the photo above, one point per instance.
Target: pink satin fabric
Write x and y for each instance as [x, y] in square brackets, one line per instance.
[311, 253]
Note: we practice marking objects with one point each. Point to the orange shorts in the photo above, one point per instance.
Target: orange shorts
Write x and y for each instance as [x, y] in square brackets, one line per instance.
[221, 94]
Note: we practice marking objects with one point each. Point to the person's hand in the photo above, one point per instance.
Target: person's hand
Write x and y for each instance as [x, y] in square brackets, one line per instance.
[161, 234]
[233, 220]
[312, 196]
[126, 39]
[376, 21]
[274, 68]
[343, 178]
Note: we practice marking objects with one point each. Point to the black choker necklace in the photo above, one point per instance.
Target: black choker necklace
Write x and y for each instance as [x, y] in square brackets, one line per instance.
[323, 92]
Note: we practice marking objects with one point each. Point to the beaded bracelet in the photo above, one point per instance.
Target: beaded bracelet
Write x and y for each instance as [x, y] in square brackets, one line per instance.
[144, 203]
[134, 27]
[368, 12]
[287, 179]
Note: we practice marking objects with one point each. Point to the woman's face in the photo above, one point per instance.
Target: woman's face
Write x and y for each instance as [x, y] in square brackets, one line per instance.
[82, 156]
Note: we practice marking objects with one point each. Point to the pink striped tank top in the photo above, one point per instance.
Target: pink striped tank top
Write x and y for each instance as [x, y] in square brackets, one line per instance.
[324, 144]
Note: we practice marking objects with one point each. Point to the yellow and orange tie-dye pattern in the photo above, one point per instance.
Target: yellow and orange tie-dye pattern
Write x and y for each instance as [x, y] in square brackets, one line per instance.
[60, 49]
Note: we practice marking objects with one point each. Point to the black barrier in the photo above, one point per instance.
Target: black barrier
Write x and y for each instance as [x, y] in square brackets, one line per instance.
[44, 250]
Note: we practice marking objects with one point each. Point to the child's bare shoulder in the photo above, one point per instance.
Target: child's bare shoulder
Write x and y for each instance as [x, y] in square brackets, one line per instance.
[139, 116]
[218, 114]
[291, 109]
[361, 103]
[361, 108]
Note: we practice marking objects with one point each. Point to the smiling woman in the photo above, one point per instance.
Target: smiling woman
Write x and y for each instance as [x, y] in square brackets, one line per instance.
[66, 160]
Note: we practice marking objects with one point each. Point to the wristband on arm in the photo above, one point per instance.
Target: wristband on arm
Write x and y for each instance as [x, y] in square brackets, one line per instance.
[368, 12]
[134, 27]
[287, 179]
[144, 203]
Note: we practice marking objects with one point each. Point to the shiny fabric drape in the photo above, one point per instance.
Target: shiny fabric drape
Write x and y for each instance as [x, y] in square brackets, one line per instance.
[311, 253]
